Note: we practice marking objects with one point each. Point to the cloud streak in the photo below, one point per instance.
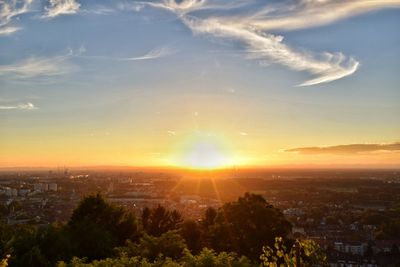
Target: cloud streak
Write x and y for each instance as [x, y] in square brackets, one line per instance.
[347, 149]
[153, 54]
[34, 67]
[312, 13]
[61, 7]
[9, 10]
[253, 30]
[20, 106]
[326, 67]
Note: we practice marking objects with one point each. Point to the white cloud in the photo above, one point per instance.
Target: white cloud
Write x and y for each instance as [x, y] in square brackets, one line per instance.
[33, 67]
[312, 13]
[20, 106]
[251, 28]
[61, 7]
[7, 30]
[9, 10]
[180, 7]
[99, 10]
[326, 67]
[153, 54]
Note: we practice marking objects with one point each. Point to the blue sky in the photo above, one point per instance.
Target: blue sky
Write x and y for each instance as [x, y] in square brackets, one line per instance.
[271, 74]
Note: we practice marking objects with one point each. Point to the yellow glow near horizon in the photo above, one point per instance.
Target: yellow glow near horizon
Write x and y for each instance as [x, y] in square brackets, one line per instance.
[204, 152]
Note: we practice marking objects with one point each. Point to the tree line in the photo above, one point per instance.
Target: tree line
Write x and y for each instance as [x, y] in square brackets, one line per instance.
[246, 232]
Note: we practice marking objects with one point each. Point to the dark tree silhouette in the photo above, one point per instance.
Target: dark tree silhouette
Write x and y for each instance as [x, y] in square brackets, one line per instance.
[209, 217]
[159, 220]
[245, 226]
[192, 234]
[96, 227]
[168, 245]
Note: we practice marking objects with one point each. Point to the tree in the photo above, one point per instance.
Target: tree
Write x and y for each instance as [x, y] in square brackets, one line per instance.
[55, 243]
[192, 234]
[96, 227]
[159, 220]
[207, 221]
[168, 245]
[209, 217]
[246, 225]
[6, 234]
[206, 258]
[4, 261]
[24, 248]
[299, 253]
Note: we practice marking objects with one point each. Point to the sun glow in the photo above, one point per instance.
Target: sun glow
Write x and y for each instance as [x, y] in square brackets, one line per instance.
[204, 152]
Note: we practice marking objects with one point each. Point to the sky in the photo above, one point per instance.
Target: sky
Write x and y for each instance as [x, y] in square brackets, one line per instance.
[200, 83]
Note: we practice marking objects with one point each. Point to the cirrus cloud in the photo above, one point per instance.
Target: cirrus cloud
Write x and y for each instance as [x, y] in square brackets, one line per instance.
[252, 27]
[8, 11]
[61, 7]
[33, 67]
[20, 106]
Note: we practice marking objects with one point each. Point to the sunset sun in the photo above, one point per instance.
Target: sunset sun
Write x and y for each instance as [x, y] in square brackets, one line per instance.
[203, 152]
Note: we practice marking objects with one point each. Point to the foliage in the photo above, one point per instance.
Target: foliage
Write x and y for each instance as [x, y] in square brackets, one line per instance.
[246, 225]
[209, 218]
[24, 248]
[302, 253]
[159, 220]
[55, 243]
[192, 234]
[168, 245]
[206, 258]
[206, 223]
[96, 227]
[102, 234]
[6, 234]
[4, 262]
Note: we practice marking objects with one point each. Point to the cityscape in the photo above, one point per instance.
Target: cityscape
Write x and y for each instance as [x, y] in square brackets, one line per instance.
[352, 214]
[199, 133]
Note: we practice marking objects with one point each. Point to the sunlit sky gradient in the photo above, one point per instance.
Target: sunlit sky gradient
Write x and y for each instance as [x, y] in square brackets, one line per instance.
[161, 83]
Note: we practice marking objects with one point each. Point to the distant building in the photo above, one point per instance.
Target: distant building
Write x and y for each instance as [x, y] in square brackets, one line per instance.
[352, 248]
[38, 187]
[53, 187]
[293, 212]
[23, 191]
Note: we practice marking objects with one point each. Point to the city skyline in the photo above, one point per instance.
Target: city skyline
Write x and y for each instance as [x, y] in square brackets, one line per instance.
[199, 84]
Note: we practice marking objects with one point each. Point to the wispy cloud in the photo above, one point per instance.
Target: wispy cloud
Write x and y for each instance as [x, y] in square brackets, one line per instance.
[61, 7]
[34, 67]
[8, 11]
[327, 67]
[153, 54]
[312, 13]
[252, 29]
[20, 106]
[347, 149]
[99, 10]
